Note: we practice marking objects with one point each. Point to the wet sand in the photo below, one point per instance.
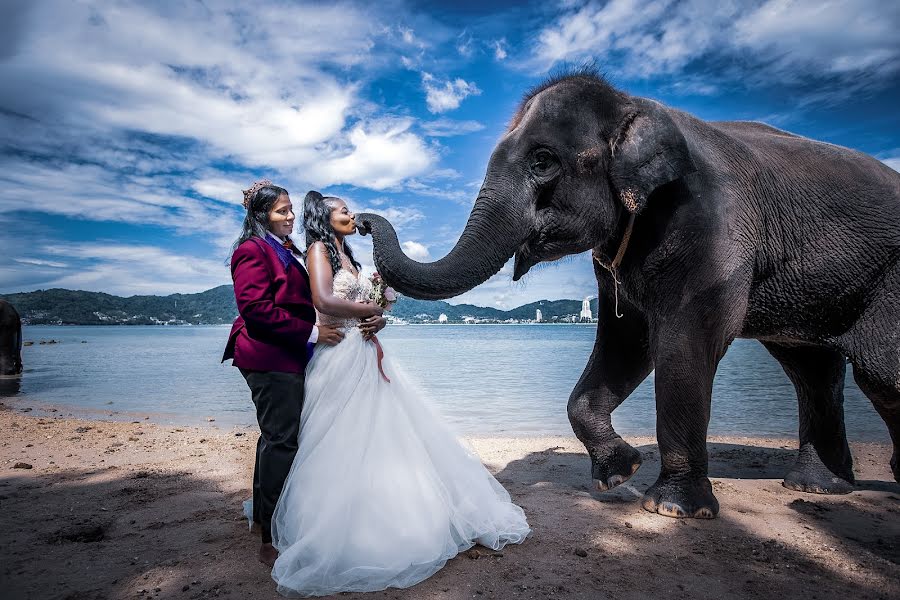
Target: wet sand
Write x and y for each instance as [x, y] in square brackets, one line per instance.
[142, 510]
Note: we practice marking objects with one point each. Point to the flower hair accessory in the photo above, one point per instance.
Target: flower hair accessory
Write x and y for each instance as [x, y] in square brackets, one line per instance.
[248, 194]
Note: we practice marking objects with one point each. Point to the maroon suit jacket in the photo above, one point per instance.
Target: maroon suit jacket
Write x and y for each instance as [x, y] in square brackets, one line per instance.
[276, 313]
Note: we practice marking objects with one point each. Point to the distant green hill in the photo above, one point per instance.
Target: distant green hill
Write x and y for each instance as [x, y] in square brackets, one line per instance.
[217, 306]
[68, 307]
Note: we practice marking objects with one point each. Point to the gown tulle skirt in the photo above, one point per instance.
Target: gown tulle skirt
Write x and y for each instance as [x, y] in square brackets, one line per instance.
[381, 493]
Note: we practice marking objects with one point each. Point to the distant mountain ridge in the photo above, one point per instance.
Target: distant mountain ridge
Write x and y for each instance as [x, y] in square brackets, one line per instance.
[217, 306]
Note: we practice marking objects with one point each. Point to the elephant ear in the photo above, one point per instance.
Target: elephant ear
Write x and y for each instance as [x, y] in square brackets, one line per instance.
[648, 151]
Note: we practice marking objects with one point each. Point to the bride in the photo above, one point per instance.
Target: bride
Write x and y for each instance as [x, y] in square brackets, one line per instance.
[381, 493]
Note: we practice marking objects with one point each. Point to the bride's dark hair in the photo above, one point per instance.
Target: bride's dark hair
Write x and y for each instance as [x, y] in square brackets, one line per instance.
[317, 222]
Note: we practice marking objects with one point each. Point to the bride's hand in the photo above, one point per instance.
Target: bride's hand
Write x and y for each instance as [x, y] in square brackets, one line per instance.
[369, 327]
[377, 311]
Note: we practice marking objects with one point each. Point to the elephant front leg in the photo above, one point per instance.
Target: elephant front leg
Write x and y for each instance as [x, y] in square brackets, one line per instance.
[618, 364]
[685, 368]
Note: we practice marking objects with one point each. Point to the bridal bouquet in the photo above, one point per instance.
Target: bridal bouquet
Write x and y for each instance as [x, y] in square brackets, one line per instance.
[382, 295]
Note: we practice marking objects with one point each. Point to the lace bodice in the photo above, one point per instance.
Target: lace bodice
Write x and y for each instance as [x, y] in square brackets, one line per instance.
[346, 286]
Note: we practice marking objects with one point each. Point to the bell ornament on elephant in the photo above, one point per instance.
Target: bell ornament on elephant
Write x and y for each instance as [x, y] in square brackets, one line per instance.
[703, 232]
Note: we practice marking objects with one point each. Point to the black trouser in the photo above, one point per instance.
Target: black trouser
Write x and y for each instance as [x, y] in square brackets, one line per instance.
[279, 399]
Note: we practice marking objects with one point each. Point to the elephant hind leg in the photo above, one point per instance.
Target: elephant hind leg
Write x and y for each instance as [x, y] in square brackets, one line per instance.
[884, 393]
[824, 464]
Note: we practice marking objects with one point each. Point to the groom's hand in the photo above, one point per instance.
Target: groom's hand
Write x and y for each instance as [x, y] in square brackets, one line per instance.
[330, 335]
[371, 326]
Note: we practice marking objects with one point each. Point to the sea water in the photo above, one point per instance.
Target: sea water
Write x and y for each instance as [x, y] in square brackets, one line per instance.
[485, 379]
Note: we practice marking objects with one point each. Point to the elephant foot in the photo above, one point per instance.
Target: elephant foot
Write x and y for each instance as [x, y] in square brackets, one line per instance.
[809, 474]
[681, 498]
[613, 464]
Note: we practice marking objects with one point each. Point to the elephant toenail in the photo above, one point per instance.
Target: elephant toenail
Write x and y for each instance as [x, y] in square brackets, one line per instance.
[600, 485]
[671, 510]
[615, 480]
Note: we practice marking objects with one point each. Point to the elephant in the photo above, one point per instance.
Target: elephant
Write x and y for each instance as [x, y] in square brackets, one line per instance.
[700, 232]
[10, 340]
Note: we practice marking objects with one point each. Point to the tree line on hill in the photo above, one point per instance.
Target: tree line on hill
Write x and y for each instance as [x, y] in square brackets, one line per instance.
[217, 306]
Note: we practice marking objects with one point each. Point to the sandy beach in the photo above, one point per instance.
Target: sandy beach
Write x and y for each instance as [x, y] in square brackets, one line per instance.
[102, 509]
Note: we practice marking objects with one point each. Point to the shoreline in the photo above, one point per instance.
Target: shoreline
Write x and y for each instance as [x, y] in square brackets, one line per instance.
[114, 509]
[37, 408]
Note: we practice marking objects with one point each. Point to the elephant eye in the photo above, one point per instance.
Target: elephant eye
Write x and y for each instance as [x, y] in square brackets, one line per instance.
[543, 163]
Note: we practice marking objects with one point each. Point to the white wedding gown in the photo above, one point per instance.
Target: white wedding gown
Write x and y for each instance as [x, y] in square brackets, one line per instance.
[381, 493]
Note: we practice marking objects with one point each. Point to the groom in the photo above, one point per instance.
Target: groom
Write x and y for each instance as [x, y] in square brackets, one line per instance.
[268, 343]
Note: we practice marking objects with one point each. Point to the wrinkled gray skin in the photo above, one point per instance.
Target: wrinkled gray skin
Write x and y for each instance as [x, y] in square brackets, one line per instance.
[10, 340]
[741, 230]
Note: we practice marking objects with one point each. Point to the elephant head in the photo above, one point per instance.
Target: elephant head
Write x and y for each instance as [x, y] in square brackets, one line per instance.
[577, 157]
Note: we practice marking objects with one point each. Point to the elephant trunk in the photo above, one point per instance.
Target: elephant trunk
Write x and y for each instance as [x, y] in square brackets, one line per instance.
[491, 236]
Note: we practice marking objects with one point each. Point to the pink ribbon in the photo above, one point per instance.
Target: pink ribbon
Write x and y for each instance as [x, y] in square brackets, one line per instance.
[380, 357]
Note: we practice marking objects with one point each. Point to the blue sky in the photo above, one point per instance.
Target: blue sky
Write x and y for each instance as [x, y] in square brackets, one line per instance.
[128, 129]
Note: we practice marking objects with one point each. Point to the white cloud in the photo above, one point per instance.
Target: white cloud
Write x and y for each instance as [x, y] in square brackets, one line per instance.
[407, 35]
[249, 86]
[416, 251]
[442, 96]
[786, 39]
[443, 174]
[841, 36]
[41, 263]
[94, 193]
[595, 29]
[258, 130]
[444, 127]
[139, 269]
[455, 193]
[499, 47]
[223, 189]
[465, 45]
[377, 156]
[694, 86]
[399, 216]
[893, 162]
[123, 111]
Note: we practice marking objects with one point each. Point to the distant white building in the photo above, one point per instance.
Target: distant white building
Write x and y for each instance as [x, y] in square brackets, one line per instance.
[442, 318]
[586, 310]
[538, 317]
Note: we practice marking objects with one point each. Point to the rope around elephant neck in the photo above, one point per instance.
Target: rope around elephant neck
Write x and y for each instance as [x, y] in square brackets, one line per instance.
[613, 267]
